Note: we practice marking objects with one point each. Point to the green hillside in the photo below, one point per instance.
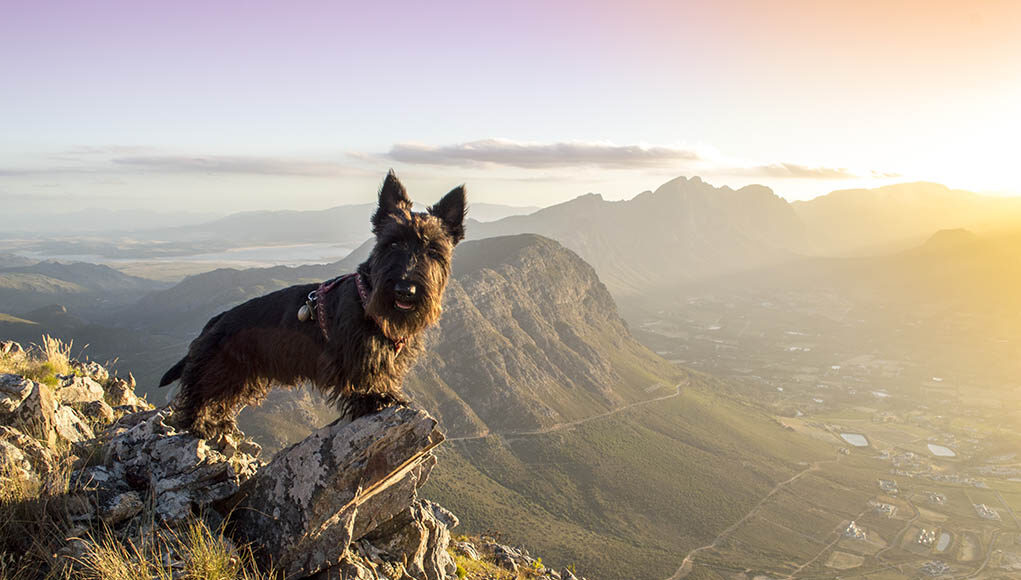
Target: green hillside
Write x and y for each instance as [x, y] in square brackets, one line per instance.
[628, 494]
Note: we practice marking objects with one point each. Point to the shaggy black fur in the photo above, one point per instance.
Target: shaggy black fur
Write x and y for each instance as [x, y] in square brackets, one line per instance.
[244, 350]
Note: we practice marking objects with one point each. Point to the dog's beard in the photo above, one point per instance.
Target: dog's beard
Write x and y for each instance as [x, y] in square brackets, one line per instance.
[397, 323]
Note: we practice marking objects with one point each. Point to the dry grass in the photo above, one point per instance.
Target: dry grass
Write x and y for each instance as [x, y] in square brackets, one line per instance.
[41, 363]
[210, 555]
[109, 559]
[33, 521]
[195, 552]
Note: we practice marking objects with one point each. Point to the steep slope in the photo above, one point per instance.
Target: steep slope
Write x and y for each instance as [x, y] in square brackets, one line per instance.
[530, 338]
[685, 230]
[899, 216]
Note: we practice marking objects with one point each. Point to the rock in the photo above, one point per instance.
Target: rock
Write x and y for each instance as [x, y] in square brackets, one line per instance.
[121, 507]
[507, 563]
[566, 574]
[77, 389]
[441, 513]
[120, 392]
[185, 474]
[10, 348]
[98, 412]
[79, 507]
[23, 456]
[14, 389]
[508, 557]
[419, 539]
[70, 426]
[35, 414]
[91, 369]
[350, 568]
[466, 549]
[306, 507]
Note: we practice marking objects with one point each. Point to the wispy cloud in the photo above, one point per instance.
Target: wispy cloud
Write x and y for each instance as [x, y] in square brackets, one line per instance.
[568, 154]
[789, 171]
[139, 160]
[211, 164]
[541, 155]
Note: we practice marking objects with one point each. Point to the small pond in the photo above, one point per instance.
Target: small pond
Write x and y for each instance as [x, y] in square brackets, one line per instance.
[856, 439]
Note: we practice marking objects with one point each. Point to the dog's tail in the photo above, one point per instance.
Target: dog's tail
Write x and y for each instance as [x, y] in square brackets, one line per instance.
[174, 373]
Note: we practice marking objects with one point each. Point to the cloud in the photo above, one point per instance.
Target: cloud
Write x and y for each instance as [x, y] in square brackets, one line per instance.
[208, 164]
[566, 154]
[124, 160]
[541, 155]
[51, 171]
[789, 171]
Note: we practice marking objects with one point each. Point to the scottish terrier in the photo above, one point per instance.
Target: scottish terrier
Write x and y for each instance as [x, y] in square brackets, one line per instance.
[353, 337]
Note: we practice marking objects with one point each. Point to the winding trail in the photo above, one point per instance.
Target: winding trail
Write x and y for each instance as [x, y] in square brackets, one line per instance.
[569, 424]
[688, 564]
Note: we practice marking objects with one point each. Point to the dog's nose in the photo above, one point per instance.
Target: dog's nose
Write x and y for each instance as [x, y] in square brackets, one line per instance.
[405, 289]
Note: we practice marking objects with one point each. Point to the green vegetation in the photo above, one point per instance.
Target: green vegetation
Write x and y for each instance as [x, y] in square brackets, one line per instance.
[627, 494]
[41, 363]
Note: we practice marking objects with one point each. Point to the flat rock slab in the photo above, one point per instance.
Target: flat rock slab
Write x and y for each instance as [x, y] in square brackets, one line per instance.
[316, 497]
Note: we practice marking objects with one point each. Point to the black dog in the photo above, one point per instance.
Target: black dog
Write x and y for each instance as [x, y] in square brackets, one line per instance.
[354, 337]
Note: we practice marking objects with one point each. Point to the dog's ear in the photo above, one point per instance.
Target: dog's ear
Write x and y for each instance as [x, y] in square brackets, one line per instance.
[393, 199]
[451, 210]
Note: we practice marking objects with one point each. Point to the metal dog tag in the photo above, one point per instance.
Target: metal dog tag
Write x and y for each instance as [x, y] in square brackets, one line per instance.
[308, 309]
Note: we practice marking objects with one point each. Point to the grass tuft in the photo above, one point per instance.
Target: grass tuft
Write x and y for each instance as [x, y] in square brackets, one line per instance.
[41, 363]
[33, 520]
[212, 556]
[109, 559]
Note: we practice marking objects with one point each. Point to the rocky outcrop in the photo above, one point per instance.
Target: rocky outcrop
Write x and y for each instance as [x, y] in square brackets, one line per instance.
[341, 504]
[338, 485]
[179, 473]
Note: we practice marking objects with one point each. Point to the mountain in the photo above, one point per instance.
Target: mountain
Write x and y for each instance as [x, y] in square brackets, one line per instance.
[899, 216]
[530, 338]
[80, 284]
[685, 230]
[487, 212]
[529, 318]
[564, 433]
[345, 224]
[14, 260]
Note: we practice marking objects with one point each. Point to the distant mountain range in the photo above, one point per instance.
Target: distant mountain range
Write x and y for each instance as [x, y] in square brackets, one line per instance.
[688, 230]
[898, 216]
[345, 226]
[685, 230]
[79, 284]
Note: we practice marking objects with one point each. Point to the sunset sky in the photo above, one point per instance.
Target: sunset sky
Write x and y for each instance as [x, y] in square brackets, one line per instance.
[227, 106]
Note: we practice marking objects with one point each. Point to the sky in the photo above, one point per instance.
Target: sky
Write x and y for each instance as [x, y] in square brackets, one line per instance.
[240, 105]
